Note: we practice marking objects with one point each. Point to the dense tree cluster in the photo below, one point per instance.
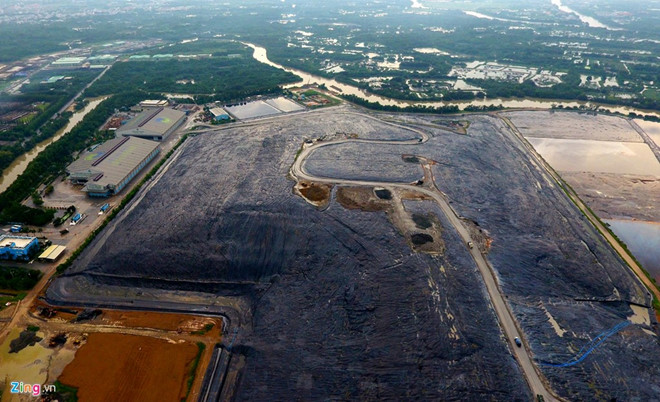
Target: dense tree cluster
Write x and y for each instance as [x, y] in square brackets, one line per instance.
[17, 278]
[224, 78]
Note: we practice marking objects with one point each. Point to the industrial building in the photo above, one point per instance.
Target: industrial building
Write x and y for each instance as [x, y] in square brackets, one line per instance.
[219, 114]
[68, 62]
[154, 124]
[147, 104]
[108, 168]
[52, 253]
[17, 247]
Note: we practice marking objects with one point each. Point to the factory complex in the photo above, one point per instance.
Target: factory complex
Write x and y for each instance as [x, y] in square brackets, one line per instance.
[262, 108]
[154, 124]
[108, 168]
[18, 248]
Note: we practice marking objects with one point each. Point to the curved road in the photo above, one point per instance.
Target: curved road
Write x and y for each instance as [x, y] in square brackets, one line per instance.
[510, 328]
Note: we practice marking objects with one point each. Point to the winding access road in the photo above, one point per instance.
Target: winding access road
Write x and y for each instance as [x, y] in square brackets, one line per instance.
[510, 328]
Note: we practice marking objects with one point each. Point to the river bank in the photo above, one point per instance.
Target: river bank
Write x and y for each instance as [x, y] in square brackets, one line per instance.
[21, 163]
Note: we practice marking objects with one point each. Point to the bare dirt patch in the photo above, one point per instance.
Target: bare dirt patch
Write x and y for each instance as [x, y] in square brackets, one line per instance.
[164, 321]
[114, 367]
[362, 198]
[317, 194]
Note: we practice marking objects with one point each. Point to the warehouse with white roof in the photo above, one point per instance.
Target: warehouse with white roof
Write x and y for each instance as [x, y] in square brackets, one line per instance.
[110, 167]
[154, 124]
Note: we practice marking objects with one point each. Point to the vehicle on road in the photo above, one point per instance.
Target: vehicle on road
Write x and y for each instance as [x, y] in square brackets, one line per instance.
[470, 245]
[518, 342]
[104, 208]
[77, 219]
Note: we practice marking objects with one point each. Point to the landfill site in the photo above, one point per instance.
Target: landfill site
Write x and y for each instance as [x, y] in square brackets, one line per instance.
[361, 256]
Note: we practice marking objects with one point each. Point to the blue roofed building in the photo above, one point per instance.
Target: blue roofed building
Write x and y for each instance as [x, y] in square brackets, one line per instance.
[18, 248]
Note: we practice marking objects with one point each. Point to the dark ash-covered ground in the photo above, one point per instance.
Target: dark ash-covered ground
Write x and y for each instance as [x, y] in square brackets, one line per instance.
[340, 307]
[547, 255]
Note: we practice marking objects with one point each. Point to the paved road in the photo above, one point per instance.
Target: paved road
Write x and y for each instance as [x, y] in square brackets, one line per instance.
[509, 326]
[65, 107]
[625, 255]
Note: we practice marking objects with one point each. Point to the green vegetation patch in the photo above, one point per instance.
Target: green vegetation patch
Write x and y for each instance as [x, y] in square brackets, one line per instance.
[652, 94]
[18, 278]
[193, 369]
[65, 392]
[220, 77]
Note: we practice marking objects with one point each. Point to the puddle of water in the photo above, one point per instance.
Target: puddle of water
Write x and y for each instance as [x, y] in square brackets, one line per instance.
[597, 156]
[25, 365]
[642, 239]
[21, 163]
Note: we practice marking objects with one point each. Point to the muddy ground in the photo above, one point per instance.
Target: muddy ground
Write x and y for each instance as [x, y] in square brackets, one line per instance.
[336, 304]
[615, 196]
[117, 367]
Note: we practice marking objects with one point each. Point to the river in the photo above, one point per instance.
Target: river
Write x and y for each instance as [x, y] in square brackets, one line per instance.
[260, 54]
[21, 163]
[590, 21]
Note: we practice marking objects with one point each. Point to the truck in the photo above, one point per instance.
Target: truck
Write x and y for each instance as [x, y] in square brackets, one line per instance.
[16, 228]
[77, 218]
[104, 208]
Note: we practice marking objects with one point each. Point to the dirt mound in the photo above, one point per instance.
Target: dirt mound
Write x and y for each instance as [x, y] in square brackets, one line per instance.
[361, 198]
[317, 194]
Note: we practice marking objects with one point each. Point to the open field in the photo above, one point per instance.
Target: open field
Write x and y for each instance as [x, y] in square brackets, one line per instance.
[114, 367]
[351, 300]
